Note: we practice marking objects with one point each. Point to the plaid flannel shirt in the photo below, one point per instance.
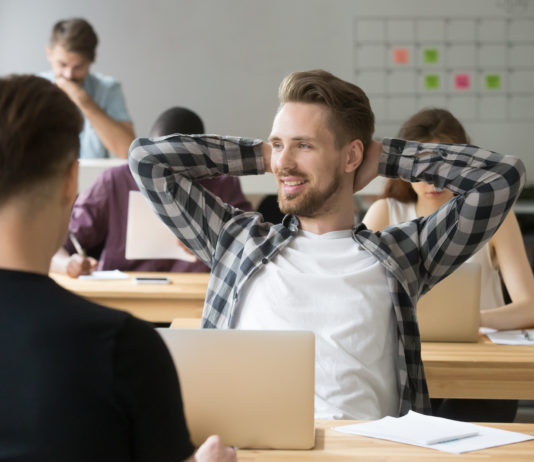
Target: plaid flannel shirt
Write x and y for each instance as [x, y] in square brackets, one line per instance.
[416, 254]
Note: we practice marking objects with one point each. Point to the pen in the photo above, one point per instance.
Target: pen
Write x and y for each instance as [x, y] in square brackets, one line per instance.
[77, 245]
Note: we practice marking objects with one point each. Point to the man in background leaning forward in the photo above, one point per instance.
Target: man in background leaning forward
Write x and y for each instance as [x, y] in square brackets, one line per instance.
[107, 124]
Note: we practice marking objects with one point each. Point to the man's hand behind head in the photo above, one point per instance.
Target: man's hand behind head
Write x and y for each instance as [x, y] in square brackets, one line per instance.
[368, 169]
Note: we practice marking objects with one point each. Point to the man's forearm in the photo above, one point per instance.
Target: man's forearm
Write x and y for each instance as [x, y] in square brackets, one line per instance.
[115, 136]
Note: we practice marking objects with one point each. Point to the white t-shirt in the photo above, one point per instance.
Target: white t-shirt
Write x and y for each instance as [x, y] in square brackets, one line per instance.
[328, 284]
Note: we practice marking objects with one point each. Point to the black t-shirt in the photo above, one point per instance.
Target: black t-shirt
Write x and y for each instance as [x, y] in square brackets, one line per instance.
[80, 382]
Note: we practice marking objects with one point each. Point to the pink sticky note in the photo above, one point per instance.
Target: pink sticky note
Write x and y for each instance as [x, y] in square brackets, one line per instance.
[462, 81]
[401, 55]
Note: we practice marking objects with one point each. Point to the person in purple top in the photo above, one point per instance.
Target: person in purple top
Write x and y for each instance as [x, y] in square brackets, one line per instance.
[99, 216]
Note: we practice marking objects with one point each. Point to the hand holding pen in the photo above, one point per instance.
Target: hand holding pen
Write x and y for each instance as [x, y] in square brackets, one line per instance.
[79, 263]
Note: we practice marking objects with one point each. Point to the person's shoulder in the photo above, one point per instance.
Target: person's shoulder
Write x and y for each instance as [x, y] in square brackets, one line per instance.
[377, 216]
[48, 75]
[119, 174]
[83, 310]
[102, 80]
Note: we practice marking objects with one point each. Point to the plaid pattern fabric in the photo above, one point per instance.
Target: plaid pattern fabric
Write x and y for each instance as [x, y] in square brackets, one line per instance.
[416, 254]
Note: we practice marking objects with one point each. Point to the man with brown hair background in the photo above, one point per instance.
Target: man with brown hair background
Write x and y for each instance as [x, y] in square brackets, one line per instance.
[355, 289]
[71, 52]
[78, 381]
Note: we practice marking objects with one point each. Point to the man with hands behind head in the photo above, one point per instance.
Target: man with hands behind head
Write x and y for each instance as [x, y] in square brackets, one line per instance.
[107, 124]
[316, 270]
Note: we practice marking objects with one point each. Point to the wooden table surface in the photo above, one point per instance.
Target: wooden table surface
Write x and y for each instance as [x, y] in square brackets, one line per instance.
[479, 370]
[183, 297]
[334, 446]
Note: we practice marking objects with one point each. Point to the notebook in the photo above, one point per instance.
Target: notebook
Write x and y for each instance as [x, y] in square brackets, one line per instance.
[146, 235]
[450, 311]
[253, 388]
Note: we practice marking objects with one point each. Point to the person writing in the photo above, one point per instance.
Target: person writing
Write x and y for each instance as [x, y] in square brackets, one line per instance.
[100, 214]
[354, 288]
[78, 381]
[107, 124]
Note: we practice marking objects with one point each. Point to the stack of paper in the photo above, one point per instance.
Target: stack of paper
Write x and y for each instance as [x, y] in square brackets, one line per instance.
[435, 432]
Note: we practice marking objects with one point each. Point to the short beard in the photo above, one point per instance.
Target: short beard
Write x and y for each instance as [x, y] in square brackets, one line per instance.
[310, 203]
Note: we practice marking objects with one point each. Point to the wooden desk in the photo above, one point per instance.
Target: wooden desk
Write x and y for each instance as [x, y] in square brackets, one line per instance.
[333, 446]
[479, 370]
[184, 297]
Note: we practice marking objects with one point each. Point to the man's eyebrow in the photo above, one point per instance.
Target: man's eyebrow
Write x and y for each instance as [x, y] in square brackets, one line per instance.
[295, 138]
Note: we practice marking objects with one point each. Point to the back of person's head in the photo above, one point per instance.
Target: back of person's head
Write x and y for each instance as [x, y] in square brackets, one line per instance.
[177, 120]
[39, 134]
[350, 115]
[433, 124]
[75, 35]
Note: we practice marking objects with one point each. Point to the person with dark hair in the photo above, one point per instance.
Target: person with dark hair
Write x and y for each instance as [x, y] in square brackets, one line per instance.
[107, 127]
[100, 214]
[78, 381]
[354, 288]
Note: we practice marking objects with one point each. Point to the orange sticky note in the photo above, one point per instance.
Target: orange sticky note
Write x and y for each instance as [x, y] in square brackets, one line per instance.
[401, 55]
[462, 81]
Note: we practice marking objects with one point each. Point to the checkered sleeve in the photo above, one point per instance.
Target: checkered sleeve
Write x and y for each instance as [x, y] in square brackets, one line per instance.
[166, 170]
[485, 184]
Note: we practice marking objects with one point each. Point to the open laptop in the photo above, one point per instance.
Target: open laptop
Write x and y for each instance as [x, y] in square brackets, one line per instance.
[450, 311]
[253, 388]
[146, 235]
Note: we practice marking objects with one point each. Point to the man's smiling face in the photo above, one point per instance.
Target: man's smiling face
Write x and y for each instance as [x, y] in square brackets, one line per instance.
[305, 160]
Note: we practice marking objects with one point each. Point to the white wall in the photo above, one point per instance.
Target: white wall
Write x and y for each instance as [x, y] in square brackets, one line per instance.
[225, 58]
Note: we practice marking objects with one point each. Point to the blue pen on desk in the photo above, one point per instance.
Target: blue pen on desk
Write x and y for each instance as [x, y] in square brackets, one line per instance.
[77, 245]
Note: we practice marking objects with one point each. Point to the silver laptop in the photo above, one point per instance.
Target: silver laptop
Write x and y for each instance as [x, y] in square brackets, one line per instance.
[450, 311]
[253, 388]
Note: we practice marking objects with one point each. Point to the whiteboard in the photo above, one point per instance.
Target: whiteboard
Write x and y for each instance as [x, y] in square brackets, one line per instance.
[225, 58]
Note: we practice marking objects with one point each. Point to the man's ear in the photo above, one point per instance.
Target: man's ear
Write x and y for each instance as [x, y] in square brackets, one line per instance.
[70, 184]
[354, 155]
[48, 52]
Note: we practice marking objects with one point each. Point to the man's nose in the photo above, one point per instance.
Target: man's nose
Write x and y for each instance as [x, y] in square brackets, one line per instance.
[285, 159]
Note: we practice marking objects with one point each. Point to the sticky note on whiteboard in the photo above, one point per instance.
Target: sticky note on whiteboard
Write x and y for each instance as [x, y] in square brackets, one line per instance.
[462, 81]
[431, 81]
[430, 55]
[493, 81]
[401, 55]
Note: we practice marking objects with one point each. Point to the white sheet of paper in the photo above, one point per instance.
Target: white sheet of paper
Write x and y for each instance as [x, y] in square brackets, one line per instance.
[512, 337]
[422, 430]
[147, 238]
[104, 275]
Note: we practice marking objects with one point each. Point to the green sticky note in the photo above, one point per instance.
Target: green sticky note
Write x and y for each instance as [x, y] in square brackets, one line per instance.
[430, 55]
[431, 81]
[493, 81]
